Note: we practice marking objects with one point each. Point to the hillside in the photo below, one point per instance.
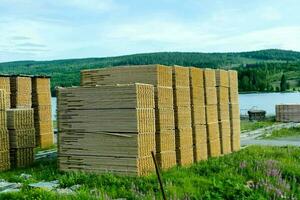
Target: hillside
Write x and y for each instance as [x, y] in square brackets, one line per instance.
[256, 65]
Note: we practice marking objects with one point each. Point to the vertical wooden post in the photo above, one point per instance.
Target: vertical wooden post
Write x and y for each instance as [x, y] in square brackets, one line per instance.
[158, 176]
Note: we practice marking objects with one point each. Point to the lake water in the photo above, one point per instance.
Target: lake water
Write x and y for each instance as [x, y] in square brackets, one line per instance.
[265, 101]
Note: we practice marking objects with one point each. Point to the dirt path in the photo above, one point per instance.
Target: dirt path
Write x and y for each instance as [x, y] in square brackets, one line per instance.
[251, 137]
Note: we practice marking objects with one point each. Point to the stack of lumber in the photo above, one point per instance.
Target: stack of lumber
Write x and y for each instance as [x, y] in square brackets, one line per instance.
[288, 113]
[4, 138]
[198, 114]
[183, 118]
[5, 85]
[41, 103]
[222, 83]
[161, 77]
[20, 124]
[234, 110]
[107, 128]
[211, 101]
[20, 87]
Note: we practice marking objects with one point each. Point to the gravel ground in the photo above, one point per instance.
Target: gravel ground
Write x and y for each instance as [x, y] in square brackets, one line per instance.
[251, 137]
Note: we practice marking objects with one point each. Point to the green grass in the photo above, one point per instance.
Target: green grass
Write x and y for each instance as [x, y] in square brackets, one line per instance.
[54, 122]
[52, 147]
[253, 173]
[247, 125]
[285, 132]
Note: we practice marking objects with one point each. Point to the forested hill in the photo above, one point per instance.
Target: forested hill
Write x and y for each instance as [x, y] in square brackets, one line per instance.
[258, 70]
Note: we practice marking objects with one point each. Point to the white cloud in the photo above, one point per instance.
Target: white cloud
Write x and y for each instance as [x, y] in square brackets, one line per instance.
[278, 37]
[160, 35]
[93, 5]
[271, 14]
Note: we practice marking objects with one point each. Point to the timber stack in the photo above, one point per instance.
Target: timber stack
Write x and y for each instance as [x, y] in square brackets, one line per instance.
[161, 78]
[4, 137]
[20, 87]
[288, 113]
[41, 103]
[20, 123]
[109, 125]
[198, 114]
[234, 110]
[211, 105]
[183, 118]
[5, 85]
[107, 128]
[222, 83]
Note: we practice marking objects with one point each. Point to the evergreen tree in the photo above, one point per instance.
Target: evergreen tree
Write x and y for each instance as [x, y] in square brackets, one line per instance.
[283, 83]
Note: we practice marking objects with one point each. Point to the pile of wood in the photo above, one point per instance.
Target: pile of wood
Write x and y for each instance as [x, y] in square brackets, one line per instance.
[222, 83]
[20, 124]
[106, 125]
[183, 118]
[4, 138]
[288, 113]
[198, 114]
[234, 110]
[20, 87]
[211, 105]
[5, 85]
[41, 103]
[161, 78]
[107, 128]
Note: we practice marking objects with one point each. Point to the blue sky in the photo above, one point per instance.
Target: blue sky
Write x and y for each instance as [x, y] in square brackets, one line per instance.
[58, 29]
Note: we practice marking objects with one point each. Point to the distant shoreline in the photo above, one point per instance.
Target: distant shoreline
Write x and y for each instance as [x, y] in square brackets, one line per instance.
[256, 92]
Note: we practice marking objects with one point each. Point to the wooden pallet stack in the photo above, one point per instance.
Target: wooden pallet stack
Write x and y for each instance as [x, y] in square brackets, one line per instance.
[288, 113]
[222, 83]
[198, 114]
[5, 85]
[4, 138]
[107, 128]
[161, 77]
[183, 118]
[234, 110]
[41, 103]
[20, 87]
[211, 101]
[20, 123]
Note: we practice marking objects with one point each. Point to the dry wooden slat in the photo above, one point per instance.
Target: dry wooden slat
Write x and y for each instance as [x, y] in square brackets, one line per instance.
[5, 85]
[108, 128]
[21, 118]
[211, 113]
[225, 136]
[209, 78]
[213, 131]
[234, 111]
[214, 148]
[4, 160]
[288, 113]
[211, 96]
[167, 159]
[198, 115]
[165, 140]
[41, 101]
[223, 112]
[21, 157]
[196, 77]
[21, 90]
[183, 115]
[157, 75]
[222, 79]
[200, 143]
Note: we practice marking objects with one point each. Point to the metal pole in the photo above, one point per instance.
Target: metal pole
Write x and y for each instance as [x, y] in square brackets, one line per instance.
[158, 176]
